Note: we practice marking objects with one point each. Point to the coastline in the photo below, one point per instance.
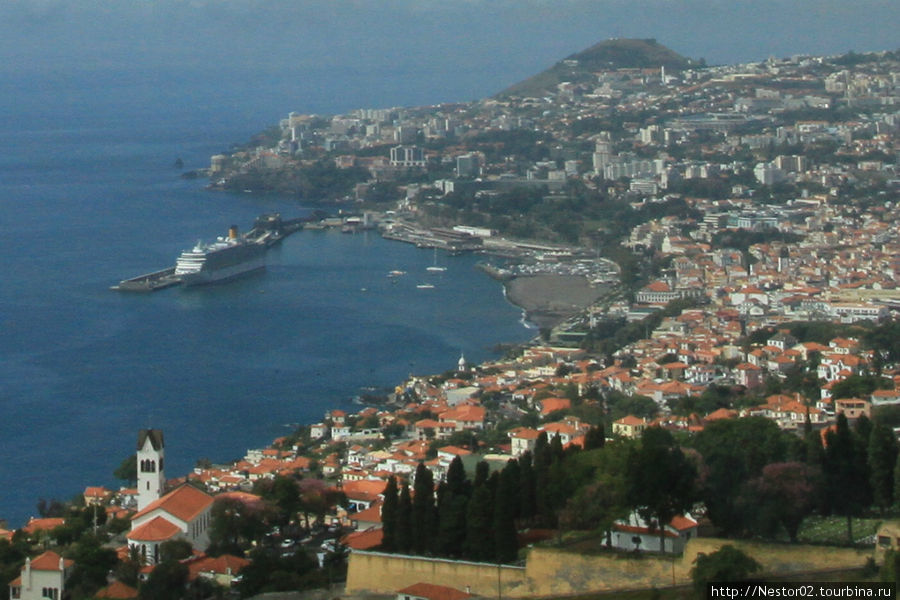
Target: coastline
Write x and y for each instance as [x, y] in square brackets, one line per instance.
[549, 299]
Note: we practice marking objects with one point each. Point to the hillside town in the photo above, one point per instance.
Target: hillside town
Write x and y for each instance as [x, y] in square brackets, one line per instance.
[744, 222]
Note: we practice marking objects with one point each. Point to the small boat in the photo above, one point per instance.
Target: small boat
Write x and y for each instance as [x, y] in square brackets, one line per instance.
[435, 268]
[425, 286]
[396, 273]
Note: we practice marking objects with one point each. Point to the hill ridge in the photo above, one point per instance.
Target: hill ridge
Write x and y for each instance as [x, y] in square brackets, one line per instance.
[614, 53]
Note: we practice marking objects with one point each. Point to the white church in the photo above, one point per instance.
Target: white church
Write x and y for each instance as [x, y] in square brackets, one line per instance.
[180, 514]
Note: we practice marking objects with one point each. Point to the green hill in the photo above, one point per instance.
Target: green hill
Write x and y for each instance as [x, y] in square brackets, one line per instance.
[609, 54]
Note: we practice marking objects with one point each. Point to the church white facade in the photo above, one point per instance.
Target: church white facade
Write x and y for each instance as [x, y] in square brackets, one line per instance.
[180, 514]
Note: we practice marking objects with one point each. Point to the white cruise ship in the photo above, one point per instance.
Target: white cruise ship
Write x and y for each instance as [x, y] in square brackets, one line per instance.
[226, 258]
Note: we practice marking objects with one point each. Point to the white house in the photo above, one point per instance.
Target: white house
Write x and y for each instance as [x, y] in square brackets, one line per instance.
[522, 440]
[42, 578]
[634, 533]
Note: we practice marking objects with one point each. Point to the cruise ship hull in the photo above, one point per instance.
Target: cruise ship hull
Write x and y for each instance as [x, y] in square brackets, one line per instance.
[220, 261]
[223, 274]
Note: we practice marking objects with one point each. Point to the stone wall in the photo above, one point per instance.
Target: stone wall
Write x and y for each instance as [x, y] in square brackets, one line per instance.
[387, 573]
[551, 571]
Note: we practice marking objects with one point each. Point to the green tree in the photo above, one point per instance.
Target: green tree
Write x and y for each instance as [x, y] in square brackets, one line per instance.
[601, 497]
[284, 493]
[92, 564]
[235, 525]
[506, 546]
[127, 470]
[527, 489]
[735, 451]
[595, 437]
[890, 568]
[404, 535]
[859, 386]
[172, 550]
[846, 474]
[269, 572]
[389, 516]
[725, 564]
[661, 481]
[424, 521]
[882, 457]
[784, 494]
[167, 581]
[479, 543]
[453, 500]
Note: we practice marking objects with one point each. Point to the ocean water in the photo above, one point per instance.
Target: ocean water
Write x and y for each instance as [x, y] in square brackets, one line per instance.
[89, 196]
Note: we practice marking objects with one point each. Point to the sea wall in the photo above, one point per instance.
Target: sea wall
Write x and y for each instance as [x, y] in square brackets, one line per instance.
[551, 572]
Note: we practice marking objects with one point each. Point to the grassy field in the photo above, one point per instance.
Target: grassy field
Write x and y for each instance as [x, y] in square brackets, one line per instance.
[833, 530]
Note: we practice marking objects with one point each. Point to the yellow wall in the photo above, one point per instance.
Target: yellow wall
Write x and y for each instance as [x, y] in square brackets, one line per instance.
[385, 573]
[550, 571]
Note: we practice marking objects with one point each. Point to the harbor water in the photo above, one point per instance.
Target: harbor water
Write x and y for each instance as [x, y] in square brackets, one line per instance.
[89, 196]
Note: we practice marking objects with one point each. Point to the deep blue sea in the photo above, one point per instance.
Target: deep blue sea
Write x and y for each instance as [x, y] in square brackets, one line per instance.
[89, 196]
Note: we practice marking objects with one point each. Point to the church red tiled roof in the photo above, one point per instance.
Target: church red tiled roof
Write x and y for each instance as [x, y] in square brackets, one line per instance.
[155, 530]
[185, 503]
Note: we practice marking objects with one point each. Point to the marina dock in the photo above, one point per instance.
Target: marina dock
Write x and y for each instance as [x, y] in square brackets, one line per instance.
[149, 282]
[268, 229]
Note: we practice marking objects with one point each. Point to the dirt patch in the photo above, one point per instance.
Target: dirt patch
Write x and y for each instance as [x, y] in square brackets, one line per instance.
[550, 299]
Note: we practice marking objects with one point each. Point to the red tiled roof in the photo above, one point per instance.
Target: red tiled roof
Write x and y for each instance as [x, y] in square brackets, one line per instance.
[524, 433]
[244, 497]
[548, 405]
[117, 589]
[364, 487]
[226, 564]
[49, 561]
[185, 502]
[155, 530]
[455, 450]
[630, 420]
[364, 540]
[369, 515]
[434, 592]
[35, 525]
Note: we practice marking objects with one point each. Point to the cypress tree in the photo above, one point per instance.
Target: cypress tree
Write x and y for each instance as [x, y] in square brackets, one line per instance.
[815, 452]
[542, 451]
[527, 491]
[541, 467]
[506, 547]
[404, 535]
[424, 518]
[452, 505]
[846, 478]
[482, 473]
[389, 516]
[863, 429]
[882, 457]
[479, 543]
[595, 437]
[556, 449]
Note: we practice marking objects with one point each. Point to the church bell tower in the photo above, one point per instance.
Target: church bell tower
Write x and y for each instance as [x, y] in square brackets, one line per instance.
[150, 475]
